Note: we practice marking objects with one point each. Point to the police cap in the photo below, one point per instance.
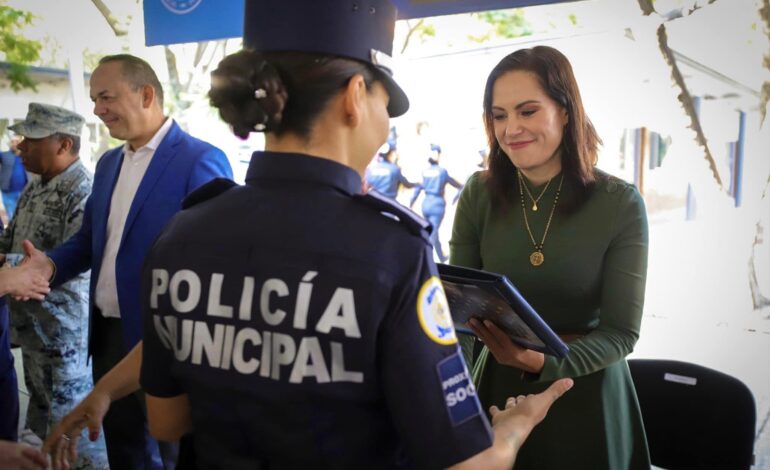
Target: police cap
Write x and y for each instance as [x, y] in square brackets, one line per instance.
[354, 29]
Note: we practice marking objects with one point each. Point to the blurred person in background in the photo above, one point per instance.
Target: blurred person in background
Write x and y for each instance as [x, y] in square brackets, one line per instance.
[384, 175]
[13, 178]
[434, 179]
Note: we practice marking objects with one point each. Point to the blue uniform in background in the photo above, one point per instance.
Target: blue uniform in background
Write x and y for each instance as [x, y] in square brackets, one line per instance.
[9, 387]
[434, 180]
[13, 179]
[385, 177]
[309, 330]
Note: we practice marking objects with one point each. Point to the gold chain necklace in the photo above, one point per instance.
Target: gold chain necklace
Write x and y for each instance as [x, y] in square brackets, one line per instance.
[537, 258]
[536, 200]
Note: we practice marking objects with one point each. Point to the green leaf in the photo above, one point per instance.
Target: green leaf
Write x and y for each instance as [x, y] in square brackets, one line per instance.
[507, 23]
[19, 51]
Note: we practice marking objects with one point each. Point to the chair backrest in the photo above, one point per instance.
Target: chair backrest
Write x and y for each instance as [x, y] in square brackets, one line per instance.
[694, 417]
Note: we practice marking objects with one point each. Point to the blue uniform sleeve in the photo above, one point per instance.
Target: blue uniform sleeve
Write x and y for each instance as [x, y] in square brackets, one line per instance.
[417, 191]
[74, 255]
[457, 185]
[426, 383]
[405, 182]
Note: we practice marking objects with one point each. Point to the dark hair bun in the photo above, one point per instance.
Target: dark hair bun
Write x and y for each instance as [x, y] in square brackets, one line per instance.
[248, 92]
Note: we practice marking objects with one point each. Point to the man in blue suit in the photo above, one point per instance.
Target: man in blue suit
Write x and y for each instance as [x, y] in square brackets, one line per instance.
[137, 188]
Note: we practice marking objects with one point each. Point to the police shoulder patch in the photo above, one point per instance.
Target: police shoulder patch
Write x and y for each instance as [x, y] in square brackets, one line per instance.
[459, 392]
[208, 191]
[416, 224]
[433, 312]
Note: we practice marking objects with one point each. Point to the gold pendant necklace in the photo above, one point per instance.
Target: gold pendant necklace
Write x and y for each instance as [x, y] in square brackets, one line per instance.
[537, 257]
[529, 193]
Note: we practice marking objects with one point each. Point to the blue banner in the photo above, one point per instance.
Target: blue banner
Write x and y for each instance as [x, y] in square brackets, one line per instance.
[180, 21]
[423, 8]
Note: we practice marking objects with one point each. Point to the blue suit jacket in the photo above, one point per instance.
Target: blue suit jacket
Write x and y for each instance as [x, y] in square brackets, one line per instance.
[180, 164]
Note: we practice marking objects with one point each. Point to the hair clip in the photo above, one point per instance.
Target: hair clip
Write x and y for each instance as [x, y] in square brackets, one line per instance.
[259, 127]
[260, 93]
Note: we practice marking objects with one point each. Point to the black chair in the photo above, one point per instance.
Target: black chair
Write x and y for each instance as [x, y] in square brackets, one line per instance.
[694, 417]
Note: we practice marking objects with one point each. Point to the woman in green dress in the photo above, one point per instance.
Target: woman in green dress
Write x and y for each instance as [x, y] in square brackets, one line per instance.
[573, 240]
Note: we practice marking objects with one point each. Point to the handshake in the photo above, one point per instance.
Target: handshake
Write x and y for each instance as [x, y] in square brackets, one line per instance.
[29, 280]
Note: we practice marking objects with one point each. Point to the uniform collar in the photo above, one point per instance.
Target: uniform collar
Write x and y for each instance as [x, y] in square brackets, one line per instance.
[72, 167]
[300, 167]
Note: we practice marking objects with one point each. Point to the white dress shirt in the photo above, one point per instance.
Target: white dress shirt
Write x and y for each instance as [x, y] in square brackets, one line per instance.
[132, 172]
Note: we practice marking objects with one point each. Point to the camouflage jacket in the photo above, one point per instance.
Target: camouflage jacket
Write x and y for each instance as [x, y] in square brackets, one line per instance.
[48, 214]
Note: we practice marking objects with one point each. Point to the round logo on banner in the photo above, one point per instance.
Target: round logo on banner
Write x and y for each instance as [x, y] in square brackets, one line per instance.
[433, 312]
[181, 6]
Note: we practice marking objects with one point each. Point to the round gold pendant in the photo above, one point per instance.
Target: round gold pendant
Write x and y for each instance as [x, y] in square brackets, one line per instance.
[534, 207]
[536, 258]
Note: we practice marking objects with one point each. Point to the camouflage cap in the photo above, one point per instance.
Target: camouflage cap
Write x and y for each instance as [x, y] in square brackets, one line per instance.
[44, 120]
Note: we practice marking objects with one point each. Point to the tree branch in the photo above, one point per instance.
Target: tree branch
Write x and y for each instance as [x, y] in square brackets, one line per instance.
[646, 6]
[173, 78]
[412, 30]
[686, 100]
[764, 13]
[110, 18]
[757, 297]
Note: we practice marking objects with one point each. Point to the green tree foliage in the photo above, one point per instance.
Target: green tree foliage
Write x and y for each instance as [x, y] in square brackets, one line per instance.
[19, 51]
[506, 24]
[421, 30]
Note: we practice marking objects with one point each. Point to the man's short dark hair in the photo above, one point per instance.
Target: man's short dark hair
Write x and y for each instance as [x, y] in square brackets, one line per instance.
[75, 150]
[137, 73]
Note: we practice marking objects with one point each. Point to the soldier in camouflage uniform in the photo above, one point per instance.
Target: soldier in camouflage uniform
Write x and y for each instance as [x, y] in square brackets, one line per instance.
[53, 334]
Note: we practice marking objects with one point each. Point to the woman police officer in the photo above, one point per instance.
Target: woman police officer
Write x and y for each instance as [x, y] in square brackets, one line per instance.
[320, 325]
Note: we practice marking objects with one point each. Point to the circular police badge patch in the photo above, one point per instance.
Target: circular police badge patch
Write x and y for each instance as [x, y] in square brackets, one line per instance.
[433, 312]
[181, 6]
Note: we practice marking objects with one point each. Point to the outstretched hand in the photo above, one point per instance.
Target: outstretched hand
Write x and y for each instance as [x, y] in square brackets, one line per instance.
[36, 259]
[62, 441]
[23, 283]
[32, 275]
[523, 413]
[18, 456]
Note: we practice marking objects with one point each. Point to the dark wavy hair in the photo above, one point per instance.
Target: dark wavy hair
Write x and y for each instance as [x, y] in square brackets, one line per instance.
[294, 88]
[580, 142]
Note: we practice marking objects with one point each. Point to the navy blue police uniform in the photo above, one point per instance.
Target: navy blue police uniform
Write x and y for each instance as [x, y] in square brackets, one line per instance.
[299, 345]
[434, 180]
[385, 177]
[9, 388]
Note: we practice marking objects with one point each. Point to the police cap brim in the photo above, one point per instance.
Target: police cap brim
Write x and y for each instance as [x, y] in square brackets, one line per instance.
[399, 103]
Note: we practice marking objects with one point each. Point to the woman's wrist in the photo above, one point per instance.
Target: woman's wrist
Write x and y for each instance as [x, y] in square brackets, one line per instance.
[102, 389]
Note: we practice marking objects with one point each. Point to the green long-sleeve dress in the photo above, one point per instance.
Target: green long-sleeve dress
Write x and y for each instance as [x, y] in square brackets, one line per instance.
[592, 282]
